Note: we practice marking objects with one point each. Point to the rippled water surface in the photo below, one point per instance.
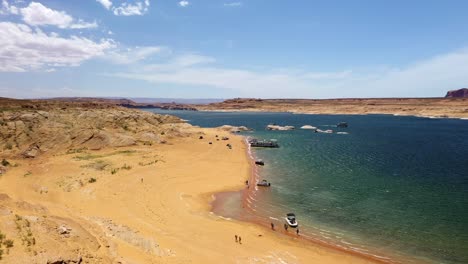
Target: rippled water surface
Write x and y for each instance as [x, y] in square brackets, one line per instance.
[393, 184]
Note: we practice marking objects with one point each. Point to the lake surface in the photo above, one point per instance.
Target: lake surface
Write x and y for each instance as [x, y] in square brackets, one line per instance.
[394, 185]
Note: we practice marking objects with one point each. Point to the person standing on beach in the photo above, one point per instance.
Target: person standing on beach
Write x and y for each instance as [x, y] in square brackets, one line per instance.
[240, 240]
[285, 227]
[272, 226]
[297, 231]
[236, 238]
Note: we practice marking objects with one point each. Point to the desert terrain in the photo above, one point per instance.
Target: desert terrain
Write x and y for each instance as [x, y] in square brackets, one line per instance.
[97, 183]
[424, 107]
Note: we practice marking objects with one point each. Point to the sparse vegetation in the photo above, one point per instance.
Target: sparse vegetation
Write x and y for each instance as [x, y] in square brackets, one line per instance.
[114, 170]
[5, 162]
[8, 243]
[148, 163]
[91, 180]
[99, 165]
[24, 230]
[29, 173]
[9, 146]
[89, 156]
[73, 151]
[126, 167]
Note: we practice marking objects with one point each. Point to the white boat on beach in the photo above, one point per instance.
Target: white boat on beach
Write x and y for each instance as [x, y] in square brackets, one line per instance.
[291, 220]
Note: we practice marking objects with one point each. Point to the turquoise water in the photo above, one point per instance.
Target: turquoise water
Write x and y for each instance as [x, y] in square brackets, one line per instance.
[394, 186]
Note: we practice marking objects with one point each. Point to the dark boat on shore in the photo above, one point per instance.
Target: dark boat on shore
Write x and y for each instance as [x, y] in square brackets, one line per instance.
[264, 183]
[263, 143]
[259, 162]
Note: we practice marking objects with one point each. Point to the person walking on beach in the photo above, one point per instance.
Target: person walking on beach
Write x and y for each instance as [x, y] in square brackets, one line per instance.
[272, 226]
[297, 231]
[240, 240]
[285, 227]
[236, 238]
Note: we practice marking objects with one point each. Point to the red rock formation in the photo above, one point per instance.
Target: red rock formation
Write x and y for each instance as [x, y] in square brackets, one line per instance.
[457, 93]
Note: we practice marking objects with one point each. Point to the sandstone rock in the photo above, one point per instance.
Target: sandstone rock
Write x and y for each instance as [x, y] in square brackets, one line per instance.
[460, 93]
[31, 152]
[3, 169]
[234, 129]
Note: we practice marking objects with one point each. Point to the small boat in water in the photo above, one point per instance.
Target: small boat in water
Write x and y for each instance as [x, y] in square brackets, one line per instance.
[259, 162]
[264, 183]
[263, 143]
[342, 124]
[291, 220]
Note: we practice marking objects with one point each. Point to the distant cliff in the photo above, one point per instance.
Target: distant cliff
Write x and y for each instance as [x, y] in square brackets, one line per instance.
[457, 93]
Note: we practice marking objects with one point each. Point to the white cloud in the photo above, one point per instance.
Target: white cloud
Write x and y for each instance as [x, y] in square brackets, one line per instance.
[36, 14]
[431, 77]
[327, 75]
[106, 3]
[233, 4]
[184, 3]
[24, 49]
[8, 9]
[135, 55]
[126, 9]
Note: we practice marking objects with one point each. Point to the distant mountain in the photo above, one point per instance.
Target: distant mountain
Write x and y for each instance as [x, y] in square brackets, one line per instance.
[144, 100]
[460, 93]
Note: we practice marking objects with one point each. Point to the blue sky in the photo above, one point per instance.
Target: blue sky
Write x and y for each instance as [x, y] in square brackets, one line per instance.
[223, 49]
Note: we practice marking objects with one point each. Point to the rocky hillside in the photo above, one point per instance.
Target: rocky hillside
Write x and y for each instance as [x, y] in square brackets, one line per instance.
[428, 107]
[460, 93]
[31, 128]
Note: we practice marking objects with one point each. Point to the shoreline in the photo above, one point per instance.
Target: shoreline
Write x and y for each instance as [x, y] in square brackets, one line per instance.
[261, 220]
[147, 212]
[325, 113]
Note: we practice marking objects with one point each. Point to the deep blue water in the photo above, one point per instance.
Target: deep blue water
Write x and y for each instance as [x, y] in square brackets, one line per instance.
[393, 184]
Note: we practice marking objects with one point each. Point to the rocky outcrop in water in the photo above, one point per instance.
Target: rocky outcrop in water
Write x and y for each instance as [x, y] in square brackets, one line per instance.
[234, 129]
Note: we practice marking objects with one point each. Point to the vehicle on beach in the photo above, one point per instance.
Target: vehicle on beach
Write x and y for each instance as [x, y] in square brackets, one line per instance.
[342, 124]
[259, 162]
[291, 220]
[264, 183]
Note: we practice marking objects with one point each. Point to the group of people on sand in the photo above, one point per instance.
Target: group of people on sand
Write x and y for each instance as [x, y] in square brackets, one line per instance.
[285, 228]
[238, 239]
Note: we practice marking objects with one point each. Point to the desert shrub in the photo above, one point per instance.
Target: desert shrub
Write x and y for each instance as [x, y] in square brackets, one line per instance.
[5, 162]
[91, 180]
[114, 170]
[8, 243]
[99, 165]
[9, 146]
[126, 167]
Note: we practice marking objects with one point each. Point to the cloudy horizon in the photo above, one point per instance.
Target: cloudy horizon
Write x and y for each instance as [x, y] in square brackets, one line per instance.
[227, 49]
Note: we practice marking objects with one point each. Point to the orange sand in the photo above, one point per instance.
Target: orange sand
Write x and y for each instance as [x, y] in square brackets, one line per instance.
[166, 218]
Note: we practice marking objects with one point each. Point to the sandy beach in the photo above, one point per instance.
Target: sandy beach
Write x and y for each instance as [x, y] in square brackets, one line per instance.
[149, 204]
